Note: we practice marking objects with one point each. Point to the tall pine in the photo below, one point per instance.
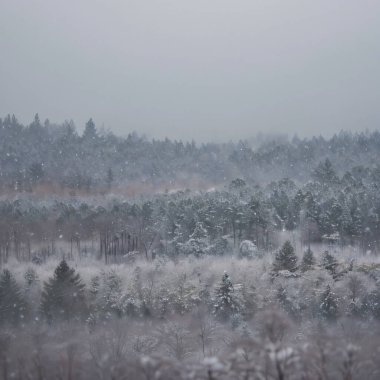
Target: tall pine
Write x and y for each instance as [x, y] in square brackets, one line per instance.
[328, 307]
[63, 295]
[329, 262]
[225, 303]
[12, 303]
[308, 260]
[286, 258]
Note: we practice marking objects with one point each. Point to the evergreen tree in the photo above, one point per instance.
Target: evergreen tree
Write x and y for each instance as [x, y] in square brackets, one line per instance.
[36, 172]
[329, 262]
[335, 215]
[325, 173]
[356, 226]
[63, 295]
[225, 303]
[197, 243]
[32, 290]
[308, 260]
[346, 220]
[328, 307]
[12, 303]
[90, 130]
[286, 258]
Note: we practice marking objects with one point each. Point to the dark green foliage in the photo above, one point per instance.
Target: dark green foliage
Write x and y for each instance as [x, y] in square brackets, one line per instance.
[325, 173]
[12, 303]
[308, 260]
[225, 303]
[329, 262]
[90, 130]
[328, 305]
[347, 206]
[220, 246]
[63, 296]
[237, 184]
[286, 258]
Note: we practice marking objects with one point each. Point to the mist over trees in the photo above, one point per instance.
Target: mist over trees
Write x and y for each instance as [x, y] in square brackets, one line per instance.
[46, 153]
[226, 261]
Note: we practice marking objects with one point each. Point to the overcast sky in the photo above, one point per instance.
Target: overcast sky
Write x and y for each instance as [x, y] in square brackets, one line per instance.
[193, 69]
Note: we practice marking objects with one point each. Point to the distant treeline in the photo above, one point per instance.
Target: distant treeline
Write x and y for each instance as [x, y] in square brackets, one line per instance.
[340, 210]
[46, 153]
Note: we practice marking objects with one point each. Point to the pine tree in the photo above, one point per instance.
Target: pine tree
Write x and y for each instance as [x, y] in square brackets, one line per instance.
[329, 262]
[90, 130]
[328, 306]
[356, 226]
[325, 173]
[32, 289]
[286, 258]
[197, 243]
[308, 260]
[346, 220]
[12, 303]
[225, 303]
[63, 295]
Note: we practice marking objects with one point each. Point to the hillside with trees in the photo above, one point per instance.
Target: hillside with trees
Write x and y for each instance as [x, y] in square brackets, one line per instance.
[237, 260]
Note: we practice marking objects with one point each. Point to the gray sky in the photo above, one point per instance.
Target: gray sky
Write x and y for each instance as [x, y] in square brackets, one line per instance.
[193, 69]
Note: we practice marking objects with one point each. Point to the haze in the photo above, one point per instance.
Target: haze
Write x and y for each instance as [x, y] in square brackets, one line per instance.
[204, 70]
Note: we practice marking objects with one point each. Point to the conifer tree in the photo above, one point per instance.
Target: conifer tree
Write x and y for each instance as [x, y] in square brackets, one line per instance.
[329, 262]
[328, 306]
[63, 295]
[12, 303]
[31, 290]
[308, 260]
[225, 303]
[286, 258]
[197, 243]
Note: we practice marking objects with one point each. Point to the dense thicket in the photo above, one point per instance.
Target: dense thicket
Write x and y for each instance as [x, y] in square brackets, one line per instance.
[189, 320]
[272, 274]
[344, 210]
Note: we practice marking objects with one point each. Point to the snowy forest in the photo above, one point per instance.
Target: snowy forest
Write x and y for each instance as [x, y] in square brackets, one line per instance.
[133, 258]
